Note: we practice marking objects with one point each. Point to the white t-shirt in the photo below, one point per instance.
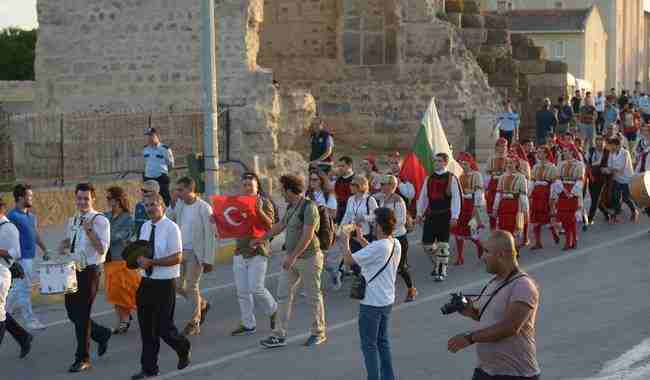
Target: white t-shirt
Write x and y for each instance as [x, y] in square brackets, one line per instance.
[185, 223]
[167, 242]
[381, 291]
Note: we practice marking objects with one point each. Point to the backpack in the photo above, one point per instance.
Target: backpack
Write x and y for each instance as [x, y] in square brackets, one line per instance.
[325, 233]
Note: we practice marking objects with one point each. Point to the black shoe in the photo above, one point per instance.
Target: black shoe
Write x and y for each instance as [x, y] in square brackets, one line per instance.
[143, 375]
[184, 360]
[80, 366]
[204, 312]
[103, 346]
[26, 346]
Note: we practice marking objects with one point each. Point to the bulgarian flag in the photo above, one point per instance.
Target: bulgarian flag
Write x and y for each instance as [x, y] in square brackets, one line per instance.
[431, 139]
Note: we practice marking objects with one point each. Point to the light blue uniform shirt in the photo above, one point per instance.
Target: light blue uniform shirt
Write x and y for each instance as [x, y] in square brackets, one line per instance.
[644, 104]
[508, 121]
[157, 160]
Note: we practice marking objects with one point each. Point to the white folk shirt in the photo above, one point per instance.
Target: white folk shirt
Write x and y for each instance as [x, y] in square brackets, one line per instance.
[406, 189]
[363, 207]
[10, 242]
[85, 252]
[621, 162]
[167, 243]
[599, 103]
[185, 223]
[423, 200]
[397, 204]
[381, 291]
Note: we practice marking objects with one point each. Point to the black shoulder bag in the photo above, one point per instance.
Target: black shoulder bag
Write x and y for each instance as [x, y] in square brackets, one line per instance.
[16, 269]
[359, 283]
[515, 275]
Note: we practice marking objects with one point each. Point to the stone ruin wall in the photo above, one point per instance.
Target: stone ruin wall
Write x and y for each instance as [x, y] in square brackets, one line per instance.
[144, 56]
[373, 66]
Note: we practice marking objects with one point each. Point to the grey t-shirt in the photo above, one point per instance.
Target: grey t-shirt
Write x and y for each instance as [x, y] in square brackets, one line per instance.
[517, 355]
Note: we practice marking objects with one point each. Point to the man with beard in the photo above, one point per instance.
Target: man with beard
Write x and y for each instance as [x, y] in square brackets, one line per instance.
[26, 222]
[438, 209]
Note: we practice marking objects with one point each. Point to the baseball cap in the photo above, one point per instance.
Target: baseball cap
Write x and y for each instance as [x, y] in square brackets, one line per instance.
[151, 186]
[150, 131]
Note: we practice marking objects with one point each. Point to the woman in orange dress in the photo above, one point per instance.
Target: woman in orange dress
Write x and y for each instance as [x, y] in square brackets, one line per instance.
[121, 282]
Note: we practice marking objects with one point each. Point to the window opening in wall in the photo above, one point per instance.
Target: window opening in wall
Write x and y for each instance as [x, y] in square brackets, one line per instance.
[369, 38]
[559, 49]
[559, 4]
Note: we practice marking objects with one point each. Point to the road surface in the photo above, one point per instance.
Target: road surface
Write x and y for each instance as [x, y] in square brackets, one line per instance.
[593, 324]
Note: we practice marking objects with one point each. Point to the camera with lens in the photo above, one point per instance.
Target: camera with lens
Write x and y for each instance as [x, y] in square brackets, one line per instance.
[457, 304]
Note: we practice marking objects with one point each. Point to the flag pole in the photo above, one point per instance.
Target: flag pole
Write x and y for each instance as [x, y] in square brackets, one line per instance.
[209, 98]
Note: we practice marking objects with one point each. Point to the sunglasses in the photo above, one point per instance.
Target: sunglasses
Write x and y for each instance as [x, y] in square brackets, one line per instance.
[146, 191]
[314, 179]
[248, 177]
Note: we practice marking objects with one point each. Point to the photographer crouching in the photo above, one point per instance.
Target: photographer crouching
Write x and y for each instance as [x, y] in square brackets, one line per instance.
[506, 310]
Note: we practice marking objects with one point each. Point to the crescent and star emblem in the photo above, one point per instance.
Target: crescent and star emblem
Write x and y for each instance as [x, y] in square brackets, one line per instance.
[233, 216]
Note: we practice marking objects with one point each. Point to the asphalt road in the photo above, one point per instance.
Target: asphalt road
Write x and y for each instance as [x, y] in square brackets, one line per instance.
[593, 324]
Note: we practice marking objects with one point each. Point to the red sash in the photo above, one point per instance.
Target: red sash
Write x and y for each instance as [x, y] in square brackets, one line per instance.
[567, 206]
[491, 193]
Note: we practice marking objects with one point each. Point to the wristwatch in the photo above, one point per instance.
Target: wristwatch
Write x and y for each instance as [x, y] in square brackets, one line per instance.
[468, 336]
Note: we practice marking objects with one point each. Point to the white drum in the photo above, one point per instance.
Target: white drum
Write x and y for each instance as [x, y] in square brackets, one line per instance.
[58, 278]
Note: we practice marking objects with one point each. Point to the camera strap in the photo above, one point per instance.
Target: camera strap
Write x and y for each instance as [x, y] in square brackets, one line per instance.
[514, 275]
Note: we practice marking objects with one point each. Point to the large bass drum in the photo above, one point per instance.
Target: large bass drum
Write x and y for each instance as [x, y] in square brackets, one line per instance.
[639, 189]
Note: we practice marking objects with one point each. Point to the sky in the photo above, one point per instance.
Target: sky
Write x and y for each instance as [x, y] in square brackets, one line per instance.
[22, 13]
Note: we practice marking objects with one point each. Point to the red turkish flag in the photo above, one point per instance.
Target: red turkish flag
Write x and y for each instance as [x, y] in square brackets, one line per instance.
[236, 216]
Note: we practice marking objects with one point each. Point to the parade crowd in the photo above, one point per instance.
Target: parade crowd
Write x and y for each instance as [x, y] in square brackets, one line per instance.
[345, 221]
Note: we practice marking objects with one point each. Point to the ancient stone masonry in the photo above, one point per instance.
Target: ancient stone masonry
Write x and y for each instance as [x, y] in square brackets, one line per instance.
[515, 67]
[134, 55]
[373, 65]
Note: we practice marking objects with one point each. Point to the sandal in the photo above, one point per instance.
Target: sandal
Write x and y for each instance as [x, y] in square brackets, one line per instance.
[123, 327]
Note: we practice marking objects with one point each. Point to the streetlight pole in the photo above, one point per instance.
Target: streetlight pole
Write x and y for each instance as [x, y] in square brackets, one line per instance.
[209, 98]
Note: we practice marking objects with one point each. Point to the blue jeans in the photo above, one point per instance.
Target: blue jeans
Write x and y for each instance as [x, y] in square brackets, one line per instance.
[621, 192]
[373, 330]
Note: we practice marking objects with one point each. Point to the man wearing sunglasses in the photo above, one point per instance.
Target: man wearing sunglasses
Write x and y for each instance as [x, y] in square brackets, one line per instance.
[140, 216]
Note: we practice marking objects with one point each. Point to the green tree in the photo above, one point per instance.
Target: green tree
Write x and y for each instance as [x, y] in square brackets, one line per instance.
[18, 50]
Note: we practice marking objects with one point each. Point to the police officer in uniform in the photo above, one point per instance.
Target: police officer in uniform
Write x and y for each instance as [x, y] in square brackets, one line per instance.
[158, 159]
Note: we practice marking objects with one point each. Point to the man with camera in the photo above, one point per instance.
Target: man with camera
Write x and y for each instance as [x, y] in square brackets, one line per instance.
[506, 310]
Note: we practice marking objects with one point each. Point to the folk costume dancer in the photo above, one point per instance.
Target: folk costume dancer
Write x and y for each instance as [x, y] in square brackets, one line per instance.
[511, 202]
[523, 167]
[439, 208]
[543, 175]
[567, 193]
[495, 168]
[405, 189]
[597, 159]
[469, 222]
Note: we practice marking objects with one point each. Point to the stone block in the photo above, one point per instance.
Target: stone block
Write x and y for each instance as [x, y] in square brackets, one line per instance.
[455, 19]
[532, 67]
[498, 37]
[556, 67]
[472, 7]
[473, 21]
[494, 21]
[488, 63]
[454, 6]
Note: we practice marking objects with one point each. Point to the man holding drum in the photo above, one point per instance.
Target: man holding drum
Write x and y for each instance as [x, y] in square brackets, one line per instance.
[9, 252]
[88, 237]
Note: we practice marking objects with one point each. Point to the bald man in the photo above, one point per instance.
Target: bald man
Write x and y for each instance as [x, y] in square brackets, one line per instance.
[506, 311]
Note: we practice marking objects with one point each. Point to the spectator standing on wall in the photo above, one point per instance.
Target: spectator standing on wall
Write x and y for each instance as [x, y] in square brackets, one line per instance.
[564, 115]
[158, 160]
[599, 104]
[322, 147]
[508, 123]
[546, 122]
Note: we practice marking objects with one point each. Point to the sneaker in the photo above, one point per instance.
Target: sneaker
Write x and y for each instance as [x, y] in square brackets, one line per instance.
[35, 324]
[314, 340]
[410, 296]
[338, 281]
[273, 319]
[273, 342]
[243, 330]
